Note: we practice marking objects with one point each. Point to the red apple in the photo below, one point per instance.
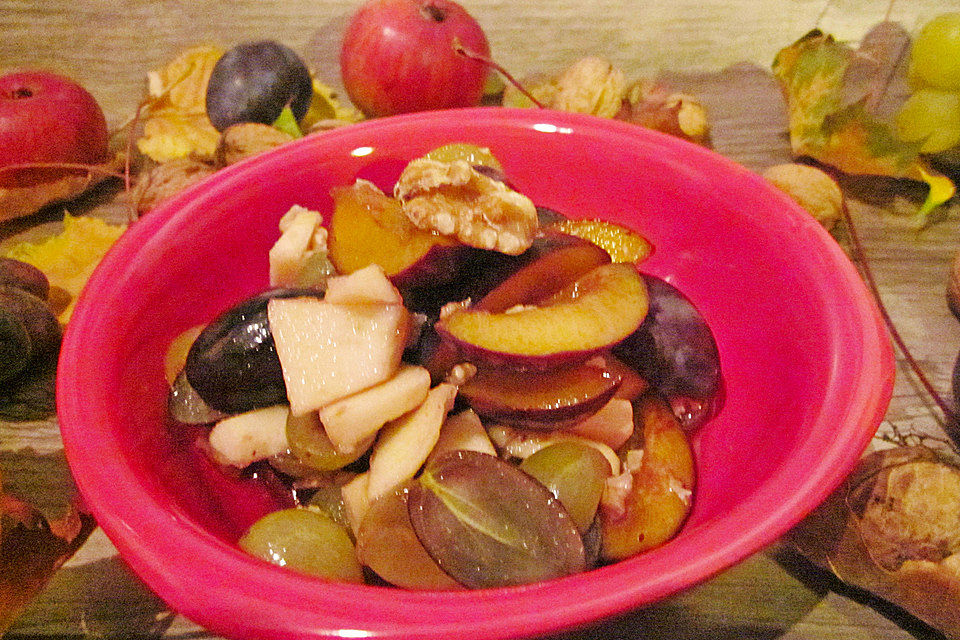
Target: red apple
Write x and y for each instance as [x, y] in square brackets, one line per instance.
[398, 56]
[48, 118]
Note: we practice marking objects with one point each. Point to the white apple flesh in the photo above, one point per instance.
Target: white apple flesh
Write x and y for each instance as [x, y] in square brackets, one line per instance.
[404, 444]
[243, 439]
[329, 351]
[354, 419]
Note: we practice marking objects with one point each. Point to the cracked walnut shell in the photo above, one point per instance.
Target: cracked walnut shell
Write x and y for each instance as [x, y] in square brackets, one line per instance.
[454, 199]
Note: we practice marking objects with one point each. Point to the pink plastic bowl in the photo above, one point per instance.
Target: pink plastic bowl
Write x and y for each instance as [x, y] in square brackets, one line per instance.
[807, 364]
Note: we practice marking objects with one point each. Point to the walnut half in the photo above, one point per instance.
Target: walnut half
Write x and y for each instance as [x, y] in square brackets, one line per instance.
[454, 199]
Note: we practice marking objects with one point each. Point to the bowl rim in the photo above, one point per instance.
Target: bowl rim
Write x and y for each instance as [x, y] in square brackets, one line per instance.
[143, 531]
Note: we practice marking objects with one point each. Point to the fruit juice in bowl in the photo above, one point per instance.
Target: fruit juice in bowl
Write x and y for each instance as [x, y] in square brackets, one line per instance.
[515, 387]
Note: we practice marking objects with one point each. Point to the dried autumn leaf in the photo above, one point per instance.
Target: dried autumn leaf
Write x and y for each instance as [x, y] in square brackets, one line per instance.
[833, 102]
[177, 125]
[69, 258]
[32, 549]
[325, 106]
[21, 201]
[655, 106]
[877, 72]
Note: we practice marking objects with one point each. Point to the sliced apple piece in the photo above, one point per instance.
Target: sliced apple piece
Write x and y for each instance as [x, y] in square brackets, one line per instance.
[243, 439]
[354, 419]
[661, 492]
[545, 276]
[597, 311]
[355, 500]
[612, 424]
[404, 444]
[462, 431]
[301, 237]
[541, 399]
[330, 351]
[369, 227]
[364, 286]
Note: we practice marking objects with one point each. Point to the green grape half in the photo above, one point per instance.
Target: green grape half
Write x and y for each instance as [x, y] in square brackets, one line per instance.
[306, 541]
[575, 473]
[930, 116]
[463, 151]
[310, 444]
[935, 56]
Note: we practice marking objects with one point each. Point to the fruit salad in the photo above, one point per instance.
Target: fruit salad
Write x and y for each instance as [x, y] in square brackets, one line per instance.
[459, 389]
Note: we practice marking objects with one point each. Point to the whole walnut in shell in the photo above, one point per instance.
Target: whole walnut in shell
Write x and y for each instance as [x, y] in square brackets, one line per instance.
[811, 188]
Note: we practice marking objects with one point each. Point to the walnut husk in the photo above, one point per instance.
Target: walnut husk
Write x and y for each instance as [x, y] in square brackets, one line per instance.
[166, 180]
[893, 529]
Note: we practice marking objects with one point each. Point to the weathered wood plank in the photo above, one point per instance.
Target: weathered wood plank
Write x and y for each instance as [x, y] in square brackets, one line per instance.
[770, 595]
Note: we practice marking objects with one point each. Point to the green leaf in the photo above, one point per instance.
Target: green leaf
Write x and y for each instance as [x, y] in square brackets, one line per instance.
[287, 123]
[841, 103]
[941, 190]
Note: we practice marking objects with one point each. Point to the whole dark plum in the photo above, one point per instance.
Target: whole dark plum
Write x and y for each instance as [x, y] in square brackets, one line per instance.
[29, 332]
[254, 81]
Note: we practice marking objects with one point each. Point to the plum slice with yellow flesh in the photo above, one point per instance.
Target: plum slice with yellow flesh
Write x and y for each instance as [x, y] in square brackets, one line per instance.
[541, 399]
[595, 312]
[622, 243]
[661, 488]
[567, 261]
[368, 227]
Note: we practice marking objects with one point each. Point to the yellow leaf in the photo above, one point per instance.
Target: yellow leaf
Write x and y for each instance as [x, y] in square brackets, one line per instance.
[182, 83]
[941, 190]
[177, 125]
[69, 258]
[170, 134]
[326, 105]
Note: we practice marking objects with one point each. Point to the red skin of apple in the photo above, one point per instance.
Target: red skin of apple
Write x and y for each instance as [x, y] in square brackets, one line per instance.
[48, 118]
[398, 56]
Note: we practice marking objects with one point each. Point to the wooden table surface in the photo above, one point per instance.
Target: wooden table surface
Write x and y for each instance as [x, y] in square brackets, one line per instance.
[775, 594]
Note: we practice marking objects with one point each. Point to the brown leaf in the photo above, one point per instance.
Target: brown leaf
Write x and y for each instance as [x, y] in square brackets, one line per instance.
[53, 186]
[877, 72]
[32, 549]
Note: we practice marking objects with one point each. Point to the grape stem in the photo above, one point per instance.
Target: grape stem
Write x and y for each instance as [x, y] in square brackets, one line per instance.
[473, 55]
[949, 415]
